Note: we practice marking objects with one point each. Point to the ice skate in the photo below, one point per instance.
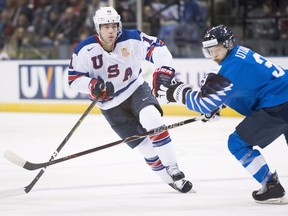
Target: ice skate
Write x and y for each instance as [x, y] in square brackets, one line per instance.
[271, 193]
[183, 186]
[174, 172]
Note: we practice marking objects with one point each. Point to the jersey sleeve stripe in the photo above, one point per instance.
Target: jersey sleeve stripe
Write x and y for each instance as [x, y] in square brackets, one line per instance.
[159, 43]
[149, 54]
[73, 75]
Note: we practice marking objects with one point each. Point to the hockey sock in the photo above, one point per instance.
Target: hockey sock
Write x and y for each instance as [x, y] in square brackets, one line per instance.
[162, 142]
[251, 159]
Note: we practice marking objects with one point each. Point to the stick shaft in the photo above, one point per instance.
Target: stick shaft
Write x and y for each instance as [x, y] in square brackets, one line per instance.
[33, 166]
[29, 187]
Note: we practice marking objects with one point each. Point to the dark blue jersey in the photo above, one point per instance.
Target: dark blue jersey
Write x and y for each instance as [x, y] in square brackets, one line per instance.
[244, 81]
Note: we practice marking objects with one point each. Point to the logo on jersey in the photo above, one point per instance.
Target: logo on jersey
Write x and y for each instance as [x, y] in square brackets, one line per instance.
[125, 52]
[90, 48]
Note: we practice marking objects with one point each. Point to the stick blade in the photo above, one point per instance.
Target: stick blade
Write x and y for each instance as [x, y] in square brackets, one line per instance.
[12, 193]
[14, 158]
[277, 201]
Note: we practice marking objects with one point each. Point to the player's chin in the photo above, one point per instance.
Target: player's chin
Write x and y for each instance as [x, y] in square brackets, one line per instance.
[217, 60]
[111, 39]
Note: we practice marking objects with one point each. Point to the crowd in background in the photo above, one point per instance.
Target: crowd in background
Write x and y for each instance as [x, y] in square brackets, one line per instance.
[45, 29]
[50, 29]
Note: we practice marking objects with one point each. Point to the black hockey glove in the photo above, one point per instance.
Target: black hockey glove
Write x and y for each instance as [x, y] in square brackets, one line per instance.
[101, 90]
[176, 92]
[162, 77]
[213, 116]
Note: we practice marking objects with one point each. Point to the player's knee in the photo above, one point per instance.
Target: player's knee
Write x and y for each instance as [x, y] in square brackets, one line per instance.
[237, 146]
[150, 117]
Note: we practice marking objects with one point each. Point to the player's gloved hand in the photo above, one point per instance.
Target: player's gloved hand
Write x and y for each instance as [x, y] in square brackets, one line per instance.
[101, 90]
[176, 92]
[162, 77]
[213, 116]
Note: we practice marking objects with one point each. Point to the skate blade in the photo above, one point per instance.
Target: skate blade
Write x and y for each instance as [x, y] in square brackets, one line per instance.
[192, 191]
[277, 201]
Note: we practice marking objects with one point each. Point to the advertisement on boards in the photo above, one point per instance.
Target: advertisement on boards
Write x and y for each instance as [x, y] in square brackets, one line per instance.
[47, 80]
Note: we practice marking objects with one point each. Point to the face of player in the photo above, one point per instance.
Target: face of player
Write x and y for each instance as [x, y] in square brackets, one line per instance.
[108, 33]
[217, 53]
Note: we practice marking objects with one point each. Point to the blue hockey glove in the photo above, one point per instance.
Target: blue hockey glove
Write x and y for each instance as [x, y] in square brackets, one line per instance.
[101, 90]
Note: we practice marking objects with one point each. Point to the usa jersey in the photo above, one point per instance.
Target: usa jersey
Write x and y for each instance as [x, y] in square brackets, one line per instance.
[122, 66]
[244, 81]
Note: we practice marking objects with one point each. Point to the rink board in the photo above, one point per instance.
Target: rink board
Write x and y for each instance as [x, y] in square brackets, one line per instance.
[41, 85]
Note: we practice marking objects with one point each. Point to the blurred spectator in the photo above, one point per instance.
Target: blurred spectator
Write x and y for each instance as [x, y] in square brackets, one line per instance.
[66, 32]
[264, 22]
[191, 23]
[94, 5]
[168, 18]
[23, 9]
[284, 24]
[20, 40]
[52, 23]
[6, 28]
[41, 28]
[3, 54]
[10, 9]
[66, 28]
[59, 5]
[51, 28]
[83, 10]
[2, 4]
[42, 10]
[45, 31]
[192, 19]
[22, 21]
[126, 11]
[193, 13]
[151, 23]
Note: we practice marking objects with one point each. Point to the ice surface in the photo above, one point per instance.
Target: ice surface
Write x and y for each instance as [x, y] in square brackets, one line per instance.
[116, 181]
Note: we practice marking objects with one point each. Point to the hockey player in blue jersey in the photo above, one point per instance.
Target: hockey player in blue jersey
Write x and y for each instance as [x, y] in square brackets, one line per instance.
[107, 66]
[251, 85]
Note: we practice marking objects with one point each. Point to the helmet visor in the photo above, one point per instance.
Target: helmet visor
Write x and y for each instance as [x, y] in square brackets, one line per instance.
[206, 45]
[206, 53]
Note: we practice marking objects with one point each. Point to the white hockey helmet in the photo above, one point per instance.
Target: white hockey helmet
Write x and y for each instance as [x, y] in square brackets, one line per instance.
[106, 15]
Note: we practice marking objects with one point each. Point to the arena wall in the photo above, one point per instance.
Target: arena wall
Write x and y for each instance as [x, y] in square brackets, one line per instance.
[41, 85]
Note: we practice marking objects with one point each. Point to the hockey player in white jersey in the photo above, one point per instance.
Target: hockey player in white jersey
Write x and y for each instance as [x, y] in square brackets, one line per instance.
[107, 67]
[249, 84]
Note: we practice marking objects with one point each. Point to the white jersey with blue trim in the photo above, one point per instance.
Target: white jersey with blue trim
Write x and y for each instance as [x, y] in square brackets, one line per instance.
[244, 81]
[122, 66]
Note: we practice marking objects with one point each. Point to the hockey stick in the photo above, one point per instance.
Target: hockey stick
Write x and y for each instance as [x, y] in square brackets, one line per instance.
[29, 187]
[14, 158]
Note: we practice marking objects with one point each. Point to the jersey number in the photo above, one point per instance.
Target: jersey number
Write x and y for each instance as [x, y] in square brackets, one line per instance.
[261, 60]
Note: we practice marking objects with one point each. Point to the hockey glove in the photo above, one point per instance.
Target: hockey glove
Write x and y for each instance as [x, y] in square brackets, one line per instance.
[162, 77]
[176, 92]
[100, 90]
[213, 116]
